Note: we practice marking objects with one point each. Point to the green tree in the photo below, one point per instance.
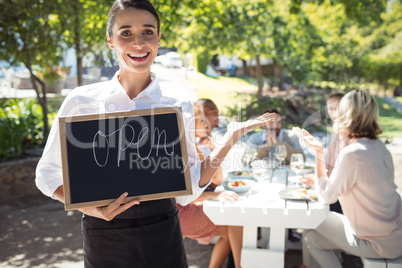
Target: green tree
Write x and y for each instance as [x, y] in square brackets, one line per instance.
[383, 47]
[30, 34]
[250, 30]
[361, 11]
[84, 27]
[339, 53]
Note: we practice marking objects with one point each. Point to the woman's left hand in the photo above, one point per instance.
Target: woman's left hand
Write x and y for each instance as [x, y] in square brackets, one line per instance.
[308, 180]
[227, 196]
[208, 142]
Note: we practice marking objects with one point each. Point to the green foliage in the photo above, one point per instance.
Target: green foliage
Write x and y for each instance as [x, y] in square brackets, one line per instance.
[84, 24]
[360, 11]
[202, 61]
[21, 127]
[30, 33]
[383, 47]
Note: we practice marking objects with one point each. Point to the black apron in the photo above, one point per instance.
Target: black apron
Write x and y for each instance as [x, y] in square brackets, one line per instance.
[147, 235]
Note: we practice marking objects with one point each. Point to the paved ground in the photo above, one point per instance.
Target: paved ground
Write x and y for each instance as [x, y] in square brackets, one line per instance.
[37, 232]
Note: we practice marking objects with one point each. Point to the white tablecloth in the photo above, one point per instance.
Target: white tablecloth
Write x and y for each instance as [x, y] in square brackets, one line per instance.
[262, 206]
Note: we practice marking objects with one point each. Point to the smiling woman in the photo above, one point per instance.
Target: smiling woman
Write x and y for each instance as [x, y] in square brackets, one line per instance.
[136, 42]
[127, 233]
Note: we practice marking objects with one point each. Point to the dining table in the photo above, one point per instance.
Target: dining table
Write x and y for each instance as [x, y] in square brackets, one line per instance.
[266, 206]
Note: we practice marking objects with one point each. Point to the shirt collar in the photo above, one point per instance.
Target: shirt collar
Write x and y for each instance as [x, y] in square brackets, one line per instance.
[153, 90]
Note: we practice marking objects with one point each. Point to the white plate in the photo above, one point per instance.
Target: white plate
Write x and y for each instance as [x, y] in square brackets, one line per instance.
[232, 175]
[239, 189]
[292, 193]
[306, 170]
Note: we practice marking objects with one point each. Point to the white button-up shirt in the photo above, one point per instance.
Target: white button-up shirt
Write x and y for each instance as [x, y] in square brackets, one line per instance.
[108, 97]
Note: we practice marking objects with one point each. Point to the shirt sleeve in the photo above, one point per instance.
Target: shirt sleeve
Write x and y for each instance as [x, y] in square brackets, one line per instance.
[49, 174]
[342, 178]
[193, 159]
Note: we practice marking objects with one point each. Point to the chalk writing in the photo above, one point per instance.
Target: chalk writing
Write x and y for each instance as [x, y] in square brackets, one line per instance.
[142, 137]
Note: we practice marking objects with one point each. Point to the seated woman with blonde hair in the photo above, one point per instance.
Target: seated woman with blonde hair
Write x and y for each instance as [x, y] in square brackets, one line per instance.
[194, 223]
[363, 180]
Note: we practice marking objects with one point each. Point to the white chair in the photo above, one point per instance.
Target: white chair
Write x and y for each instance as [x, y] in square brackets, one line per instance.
[382, 263]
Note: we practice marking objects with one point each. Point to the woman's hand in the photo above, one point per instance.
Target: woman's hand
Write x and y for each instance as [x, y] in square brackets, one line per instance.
[108, 213]
[308, 180]
[238, 129]
[320, 170]
[207, 141]
[226, 196]
[310, 140]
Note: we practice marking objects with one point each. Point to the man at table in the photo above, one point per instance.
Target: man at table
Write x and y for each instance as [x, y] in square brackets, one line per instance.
[273, 135]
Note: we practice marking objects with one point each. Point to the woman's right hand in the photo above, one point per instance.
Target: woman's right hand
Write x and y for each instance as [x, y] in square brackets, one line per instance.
[308, 138]
[108, 213]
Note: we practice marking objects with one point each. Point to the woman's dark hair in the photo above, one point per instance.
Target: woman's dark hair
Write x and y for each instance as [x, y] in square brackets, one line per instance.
[208, 104]
[336, 96]
[121, 5]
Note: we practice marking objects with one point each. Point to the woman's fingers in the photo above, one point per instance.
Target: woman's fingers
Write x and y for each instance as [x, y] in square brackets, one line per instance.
[228, 196]
[301, 133]
[297, 131]
[307, 181]
[307, 137]
[250, 124]
[116, 203]
[117, 207]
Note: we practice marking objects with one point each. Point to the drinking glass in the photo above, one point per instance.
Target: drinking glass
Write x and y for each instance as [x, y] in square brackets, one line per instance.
[296, 163]
[280, 153]
[249, 155]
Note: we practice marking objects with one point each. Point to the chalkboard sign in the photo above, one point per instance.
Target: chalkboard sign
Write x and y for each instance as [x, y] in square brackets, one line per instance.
[141, 152]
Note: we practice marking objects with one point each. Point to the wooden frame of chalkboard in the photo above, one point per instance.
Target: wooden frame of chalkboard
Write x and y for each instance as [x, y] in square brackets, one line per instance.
[142, 152]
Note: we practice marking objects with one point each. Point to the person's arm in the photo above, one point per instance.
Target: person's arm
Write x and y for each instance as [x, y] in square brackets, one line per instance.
[224, 196]
[107, 212]
[218, 177]
[343, 177]
[235, 130]
[320, 167]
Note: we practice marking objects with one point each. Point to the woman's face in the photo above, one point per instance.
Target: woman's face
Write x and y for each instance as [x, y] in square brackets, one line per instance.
[200, 127]
[135, 40]
[332, 106]
[213, 118]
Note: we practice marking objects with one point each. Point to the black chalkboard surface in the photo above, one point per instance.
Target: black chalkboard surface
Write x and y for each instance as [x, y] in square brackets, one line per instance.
[141, 152]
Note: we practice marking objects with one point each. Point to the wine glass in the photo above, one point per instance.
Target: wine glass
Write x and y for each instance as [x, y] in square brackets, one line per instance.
[249, 155]
[296, 163]
[280, 153]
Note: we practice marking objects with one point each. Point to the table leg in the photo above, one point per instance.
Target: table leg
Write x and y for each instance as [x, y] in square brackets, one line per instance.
[274, 256]
[277, 239]
[250, 237]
